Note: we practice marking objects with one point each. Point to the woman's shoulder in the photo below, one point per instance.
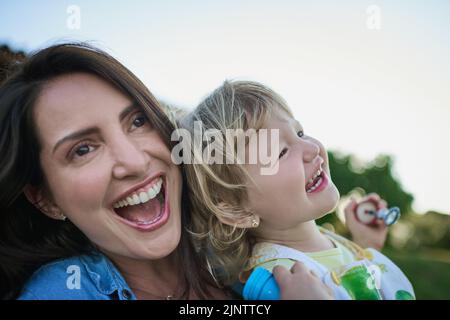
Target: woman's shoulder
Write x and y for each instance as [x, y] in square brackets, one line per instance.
[81, 277]
[60, 279]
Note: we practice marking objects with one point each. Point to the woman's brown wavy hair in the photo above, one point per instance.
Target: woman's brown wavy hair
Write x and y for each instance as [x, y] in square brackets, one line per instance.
[29, 239]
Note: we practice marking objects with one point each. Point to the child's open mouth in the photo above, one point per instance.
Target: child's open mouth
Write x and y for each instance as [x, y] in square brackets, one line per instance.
[144, 209]
[317, 183]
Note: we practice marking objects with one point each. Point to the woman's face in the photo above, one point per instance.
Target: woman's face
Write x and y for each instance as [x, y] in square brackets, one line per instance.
[98, 151]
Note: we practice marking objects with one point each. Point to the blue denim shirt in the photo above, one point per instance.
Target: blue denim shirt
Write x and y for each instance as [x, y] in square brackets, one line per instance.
[87, 277]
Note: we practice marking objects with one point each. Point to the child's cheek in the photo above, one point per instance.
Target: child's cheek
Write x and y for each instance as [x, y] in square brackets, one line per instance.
[292, 173]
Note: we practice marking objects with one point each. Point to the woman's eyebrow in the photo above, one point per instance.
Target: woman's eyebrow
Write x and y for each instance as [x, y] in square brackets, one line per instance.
[125, 112]
[76, 135]
[91, 130]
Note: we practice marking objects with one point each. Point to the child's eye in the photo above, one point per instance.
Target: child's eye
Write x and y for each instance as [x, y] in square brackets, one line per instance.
[282, 153]
[300, 133]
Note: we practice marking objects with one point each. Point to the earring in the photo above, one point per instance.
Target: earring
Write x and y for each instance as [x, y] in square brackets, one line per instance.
[60, 216]
[255, 223]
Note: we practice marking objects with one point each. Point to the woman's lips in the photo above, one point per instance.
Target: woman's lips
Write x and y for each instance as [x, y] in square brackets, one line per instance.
[140, 187]
[155, 223]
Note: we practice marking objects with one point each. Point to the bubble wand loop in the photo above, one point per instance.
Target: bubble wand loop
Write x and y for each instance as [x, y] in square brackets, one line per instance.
[368, 212]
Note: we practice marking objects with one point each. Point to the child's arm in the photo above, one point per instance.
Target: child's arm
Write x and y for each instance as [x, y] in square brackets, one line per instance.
[364, 235]
[300, 283]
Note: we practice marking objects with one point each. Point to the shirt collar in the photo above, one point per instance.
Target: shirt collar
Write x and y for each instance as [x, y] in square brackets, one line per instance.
[105, 276]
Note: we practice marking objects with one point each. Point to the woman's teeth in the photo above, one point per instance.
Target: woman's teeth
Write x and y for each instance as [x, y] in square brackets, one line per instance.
[140, 197]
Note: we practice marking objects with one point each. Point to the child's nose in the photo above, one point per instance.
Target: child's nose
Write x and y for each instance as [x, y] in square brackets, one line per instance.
[310, 150]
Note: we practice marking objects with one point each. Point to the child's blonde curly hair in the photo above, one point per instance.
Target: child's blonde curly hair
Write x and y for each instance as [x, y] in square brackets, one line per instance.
[217, 192]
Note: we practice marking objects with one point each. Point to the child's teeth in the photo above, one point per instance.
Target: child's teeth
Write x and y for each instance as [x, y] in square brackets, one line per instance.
[136, 199]
[314, 187]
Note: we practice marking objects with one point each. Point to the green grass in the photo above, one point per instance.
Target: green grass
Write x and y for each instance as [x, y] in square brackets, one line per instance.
[428, 271]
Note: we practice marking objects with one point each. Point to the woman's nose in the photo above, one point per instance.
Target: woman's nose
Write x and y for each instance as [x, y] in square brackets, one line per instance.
[129, 159]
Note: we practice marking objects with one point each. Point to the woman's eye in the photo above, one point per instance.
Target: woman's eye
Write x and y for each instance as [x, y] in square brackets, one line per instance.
[139, 120]
[282, 153]
[300, 133]
[81, 150]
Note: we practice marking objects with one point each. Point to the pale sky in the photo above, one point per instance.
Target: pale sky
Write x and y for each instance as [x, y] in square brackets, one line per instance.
[357, 89]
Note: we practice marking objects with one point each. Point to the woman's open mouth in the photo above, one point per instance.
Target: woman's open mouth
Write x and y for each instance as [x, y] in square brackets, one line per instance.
[145, 209]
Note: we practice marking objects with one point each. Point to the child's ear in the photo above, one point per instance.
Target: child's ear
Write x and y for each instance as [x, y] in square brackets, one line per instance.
[247, 222]
[37, 198]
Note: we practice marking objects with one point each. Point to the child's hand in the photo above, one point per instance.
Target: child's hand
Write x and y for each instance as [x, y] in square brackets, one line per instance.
[373, 236]
[300, 283]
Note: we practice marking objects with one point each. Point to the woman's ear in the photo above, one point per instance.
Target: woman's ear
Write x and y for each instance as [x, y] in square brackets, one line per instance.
[37, 198]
